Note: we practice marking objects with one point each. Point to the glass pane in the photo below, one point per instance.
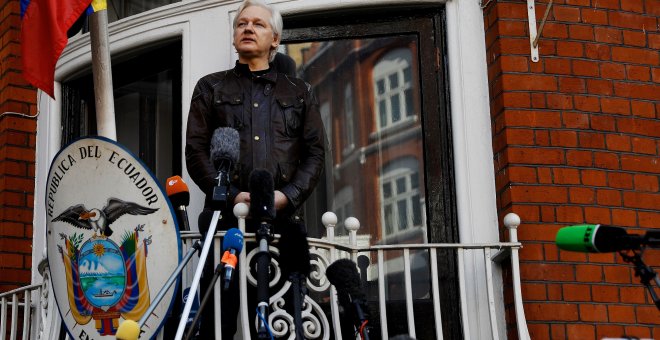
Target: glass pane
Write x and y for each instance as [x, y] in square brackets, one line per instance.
[402, 210]
[417, 210]
[414, 180]
[381, 73]
[119, 9]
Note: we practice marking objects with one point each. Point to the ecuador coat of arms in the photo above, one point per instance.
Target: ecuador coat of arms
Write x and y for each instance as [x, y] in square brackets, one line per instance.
[110, 236]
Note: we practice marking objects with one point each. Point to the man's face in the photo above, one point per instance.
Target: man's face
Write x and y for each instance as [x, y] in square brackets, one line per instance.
[253, 35]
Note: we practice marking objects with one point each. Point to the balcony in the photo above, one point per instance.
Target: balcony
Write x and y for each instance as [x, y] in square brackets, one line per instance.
[397, 306]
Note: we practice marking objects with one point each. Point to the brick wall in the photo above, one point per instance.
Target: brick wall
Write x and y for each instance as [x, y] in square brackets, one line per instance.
[17, 146]
[576, 139]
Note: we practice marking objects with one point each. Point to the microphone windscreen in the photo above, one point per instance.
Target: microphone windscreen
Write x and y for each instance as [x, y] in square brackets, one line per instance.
[177, 191]
[344, 276]
[225, 145]
[294, 250]
[233, 240]
[262, 191]
[128, 330]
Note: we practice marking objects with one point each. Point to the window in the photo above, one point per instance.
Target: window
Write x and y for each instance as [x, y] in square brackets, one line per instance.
[393, 88]
[401, 199]
[343, 207]
[147, 94]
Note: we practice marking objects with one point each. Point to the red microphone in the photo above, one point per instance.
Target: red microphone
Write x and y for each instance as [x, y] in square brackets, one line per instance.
[179, 195]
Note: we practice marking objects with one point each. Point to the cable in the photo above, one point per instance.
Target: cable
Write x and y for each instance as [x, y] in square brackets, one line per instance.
[261, 317]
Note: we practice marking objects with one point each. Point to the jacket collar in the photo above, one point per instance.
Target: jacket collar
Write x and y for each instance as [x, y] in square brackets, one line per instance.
[244, 70]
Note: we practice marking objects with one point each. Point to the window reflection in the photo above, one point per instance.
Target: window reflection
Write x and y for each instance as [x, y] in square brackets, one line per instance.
[119, 9]
[369, 96]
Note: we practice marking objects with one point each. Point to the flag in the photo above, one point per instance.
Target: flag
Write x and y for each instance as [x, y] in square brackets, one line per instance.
[44, 24]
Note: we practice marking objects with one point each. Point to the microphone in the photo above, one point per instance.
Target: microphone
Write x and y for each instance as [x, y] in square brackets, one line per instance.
[179, 195]
[262, 195]
[128, 330]
[294, 250]
[596, 238]
[344, 276]
[225, 149]
[232, 245]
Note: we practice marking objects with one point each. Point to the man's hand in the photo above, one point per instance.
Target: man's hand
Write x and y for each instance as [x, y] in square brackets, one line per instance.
[242, 197]
[280, 200]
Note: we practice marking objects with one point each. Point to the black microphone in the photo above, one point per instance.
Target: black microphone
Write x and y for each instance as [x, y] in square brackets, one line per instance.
[232, 245]
[294, 250]
[225, 150]
[179, 195]
[596, 238]
[262, 196]
[344, 276]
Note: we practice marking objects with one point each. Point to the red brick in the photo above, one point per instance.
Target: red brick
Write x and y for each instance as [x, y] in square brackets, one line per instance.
[538, 100]
[598, 215]
[591, 140]
[603, 123]
[569, 214]
[512, 10]
[611, 4]
[580, 331]
[621, 314]
[645, 127]
[515, 45]
[539, 194]
[522, 174]
[632, 294]
[557, 66]
[598, 51]
[13, 199]
[644, 145]
[638, 73]
[514, 63]
[534, 291]
[652, 7]
[630, 20]
[12, 229]
[620, 180]
[648, 315]
[637, 331]
[612, 71]
[538, 331]
[646, 183]
[624, 217]
[535, 155]
[590, 313]
[532, 252]
[602, 293]
[580, 32]
[640, 163]
[512, 82]
[642, 109]
[598, 86]
[557, 331]
[572, 85]
[511, 28]
[555, 30]
[606, 160]
[532, 118]
[608, 197]
[577, 292]
[584, 103]
[516, 99]
[565, 13]
[594, 16]
[544, 174]
[559, 101]
[615, 105]
[21, 246]
[581, 195]
[11, 261]
[634, 38]
[609, 331]
[633, 6]
[654, 41]
[563, 138]
[640, 91]
[618, 142]
[608, 35]
[585, 68]
[566, 176]
[551, 312]
[594, 177]
[579, 158]
[519, 137]
[641, 200]
[635, 55]
[570, 49]
[575, 120]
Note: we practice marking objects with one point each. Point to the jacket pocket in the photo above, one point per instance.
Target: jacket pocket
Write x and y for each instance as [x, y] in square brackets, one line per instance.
[229, 108]
[292, 112]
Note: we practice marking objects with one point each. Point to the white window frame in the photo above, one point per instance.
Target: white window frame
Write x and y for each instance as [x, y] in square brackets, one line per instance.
[394, 63]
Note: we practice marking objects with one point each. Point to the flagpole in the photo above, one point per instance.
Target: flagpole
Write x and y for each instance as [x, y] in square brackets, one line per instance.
[102, 73]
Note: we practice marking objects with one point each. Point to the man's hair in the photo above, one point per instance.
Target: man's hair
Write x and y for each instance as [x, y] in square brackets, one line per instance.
[275, 19]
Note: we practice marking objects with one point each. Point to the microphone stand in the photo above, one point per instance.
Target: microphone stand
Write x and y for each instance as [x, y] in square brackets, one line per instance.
[299, 291]
[645, 273]
[220, 194]
[207, 296]
[195, 248]
[264, 236]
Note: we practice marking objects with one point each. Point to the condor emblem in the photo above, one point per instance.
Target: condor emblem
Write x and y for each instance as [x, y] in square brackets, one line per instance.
[111, 232]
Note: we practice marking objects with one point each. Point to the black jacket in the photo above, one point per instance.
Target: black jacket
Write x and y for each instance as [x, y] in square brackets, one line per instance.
[279, 124]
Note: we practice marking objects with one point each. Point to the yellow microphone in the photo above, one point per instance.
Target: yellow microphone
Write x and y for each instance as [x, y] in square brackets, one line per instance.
[128, 330]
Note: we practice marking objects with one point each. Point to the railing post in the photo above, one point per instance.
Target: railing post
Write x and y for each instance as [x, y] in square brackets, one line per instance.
[512, 221]
[241, 211]
[329, 220]
[352, 225]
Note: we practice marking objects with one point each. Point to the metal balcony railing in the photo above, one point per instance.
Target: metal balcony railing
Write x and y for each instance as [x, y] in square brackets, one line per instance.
[401, 283]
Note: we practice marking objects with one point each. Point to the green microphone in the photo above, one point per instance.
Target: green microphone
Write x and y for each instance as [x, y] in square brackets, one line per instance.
[596, 238]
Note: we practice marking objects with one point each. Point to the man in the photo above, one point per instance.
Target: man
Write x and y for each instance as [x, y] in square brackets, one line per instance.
[278, 121]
